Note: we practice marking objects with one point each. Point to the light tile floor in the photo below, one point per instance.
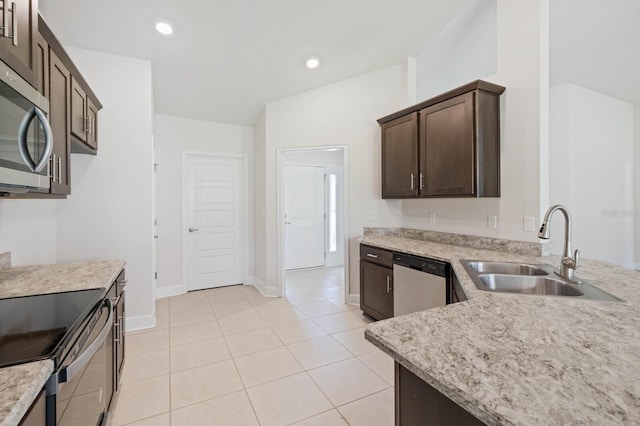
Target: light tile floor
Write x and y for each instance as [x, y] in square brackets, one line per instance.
[229, 356]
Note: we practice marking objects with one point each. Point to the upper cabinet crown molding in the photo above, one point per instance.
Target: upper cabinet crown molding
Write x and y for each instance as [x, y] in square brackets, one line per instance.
[447, 146]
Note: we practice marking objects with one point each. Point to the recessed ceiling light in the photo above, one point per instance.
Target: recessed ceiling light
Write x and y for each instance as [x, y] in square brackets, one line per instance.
[312, 63]
[164, 28]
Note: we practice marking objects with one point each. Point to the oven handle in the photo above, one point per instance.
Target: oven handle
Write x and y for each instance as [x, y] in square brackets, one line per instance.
[83, 359]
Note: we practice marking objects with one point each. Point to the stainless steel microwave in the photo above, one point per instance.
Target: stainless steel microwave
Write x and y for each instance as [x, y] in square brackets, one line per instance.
[25, 135]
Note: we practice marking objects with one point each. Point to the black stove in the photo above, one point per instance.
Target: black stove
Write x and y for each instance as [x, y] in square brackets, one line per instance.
[41, 326]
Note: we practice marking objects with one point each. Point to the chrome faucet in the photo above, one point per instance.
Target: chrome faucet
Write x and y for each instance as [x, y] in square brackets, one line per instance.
[570, 260]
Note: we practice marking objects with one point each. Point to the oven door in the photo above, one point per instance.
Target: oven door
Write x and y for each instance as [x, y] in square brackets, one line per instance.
[84, 382]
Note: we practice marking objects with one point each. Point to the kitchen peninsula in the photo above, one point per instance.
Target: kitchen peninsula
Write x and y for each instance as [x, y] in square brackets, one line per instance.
[520, 359]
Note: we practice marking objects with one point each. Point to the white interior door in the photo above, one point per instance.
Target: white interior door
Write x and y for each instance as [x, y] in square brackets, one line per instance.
[214, 225]
[304, 217]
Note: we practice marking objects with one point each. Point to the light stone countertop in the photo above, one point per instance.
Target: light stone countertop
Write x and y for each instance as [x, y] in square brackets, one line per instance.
[20, 384]
[523, 360]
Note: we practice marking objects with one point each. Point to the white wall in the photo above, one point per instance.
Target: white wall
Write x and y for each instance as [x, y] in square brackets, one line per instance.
[464, 51]
[260, 200]
[343, 113]
[174, 136]
[28, 229]
[314, 158]
[521, 59]
[591, 165]
[109, 213]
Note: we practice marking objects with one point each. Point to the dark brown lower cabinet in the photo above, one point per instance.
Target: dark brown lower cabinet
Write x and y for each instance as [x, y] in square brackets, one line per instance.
[376, 293]
[37, 413]
[419, 404]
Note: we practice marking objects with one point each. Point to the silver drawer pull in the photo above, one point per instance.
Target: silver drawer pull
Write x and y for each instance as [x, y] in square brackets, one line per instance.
[412, 184]
[375, 256]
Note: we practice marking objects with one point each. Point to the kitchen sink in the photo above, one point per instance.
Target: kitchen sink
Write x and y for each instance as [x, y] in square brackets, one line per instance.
[530, 279]
[528, 285]
[507, 268]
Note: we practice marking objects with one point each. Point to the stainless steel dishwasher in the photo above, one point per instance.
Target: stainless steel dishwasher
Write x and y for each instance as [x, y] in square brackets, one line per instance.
[419, 284]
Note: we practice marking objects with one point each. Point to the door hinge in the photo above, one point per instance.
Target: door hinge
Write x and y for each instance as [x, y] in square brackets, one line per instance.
[155, 166]
[155, 274]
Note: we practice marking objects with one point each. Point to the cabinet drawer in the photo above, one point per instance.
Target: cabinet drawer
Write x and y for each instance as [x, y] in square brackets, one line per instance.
[376, 255]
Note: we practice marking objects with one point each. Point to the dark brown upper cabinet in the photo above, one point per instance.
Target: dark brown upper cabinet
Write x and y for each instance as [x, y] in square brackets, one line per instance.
[19, 22]
[447, 146]
[83, 105]
[59, 89]
[400, 157]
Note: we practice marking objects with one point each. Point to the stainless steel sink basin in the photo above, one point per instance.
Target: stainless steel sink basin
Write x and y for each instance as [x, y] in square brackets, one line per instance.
[528, 285]
[507, 268]
[530, 279]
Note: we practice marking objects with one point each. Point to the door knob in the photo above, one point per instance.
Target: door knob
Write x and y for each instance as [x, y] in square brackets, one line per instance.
[193, 229]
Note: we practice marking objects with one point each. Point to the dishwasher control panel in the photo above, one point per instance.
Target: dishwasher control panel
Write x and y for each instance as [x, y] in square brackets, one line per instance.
[430, 266]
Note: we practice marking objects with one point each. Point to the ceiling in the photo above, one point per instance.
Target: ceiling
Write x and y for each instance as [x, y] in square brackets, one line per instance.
[596, 44]
[228, 58]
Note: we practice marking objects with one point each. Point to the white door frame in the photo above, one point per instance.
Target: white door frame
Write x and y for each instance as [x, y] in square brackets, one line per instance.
[280, 229]
[244, 221]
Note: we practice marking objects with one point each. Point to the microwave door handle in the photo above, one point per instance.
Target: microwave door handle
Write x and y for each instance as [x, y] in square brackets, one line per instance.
[83, 359]
[48, 140]
[22, 139]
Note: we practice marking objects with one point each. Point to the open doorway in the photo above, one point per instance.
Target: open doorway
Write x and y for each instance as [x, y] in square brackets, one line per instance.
[312, 206]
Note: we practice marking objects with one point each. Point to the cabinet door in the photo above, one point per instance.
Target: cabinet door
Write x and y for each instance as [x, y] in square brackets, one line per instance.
[37, 413]
[376, 291]
[79, 120]
[92, 129]
[42, 66]
[400, 177]
[18, 41]
[59, 88]
[447, 147]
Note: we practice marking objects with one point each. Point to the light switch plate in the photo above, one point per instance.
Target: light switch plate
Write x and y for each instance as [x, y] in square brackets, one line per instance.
[432, 217]
[372, 215]
[492, 221]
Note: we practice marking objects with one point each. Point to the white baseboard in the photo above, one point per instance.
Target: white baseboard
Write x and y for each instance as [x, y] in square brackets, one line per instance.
[354, 299]
[263, 289]
[175, 290]
[140, 322]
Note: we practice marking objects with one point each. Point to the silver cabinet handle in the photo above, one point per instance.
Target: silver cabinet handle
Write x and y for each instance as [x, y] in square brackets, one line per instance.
[59, 170]
[5, 21]
[421, 181]
[14, 21]
[14, 35]
[54, 174]
[123, 283]
[375, 256]
[85, 120]
[388, 284]
[193, 229]
[412, 184]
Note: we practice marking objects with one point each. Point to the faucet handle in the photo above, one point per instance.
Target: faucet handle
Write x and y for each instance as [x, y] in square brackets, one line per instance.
[576, 258]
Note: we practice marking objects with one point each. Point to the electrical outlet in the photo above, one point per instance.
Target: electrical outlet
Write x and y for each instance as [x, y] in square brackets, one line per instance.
[372, 215]
[492, 222]
[528, 224]
[432, 217]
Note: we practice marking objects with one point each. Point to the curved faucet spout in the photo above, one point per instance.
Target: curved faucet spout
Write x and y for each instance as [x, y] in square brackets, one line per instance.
[570, 259]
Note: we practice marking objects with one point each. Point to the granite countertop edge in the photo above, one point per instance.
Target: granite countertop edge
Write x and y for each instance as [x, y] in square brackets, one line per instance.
[20, 384]
[384, 334]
